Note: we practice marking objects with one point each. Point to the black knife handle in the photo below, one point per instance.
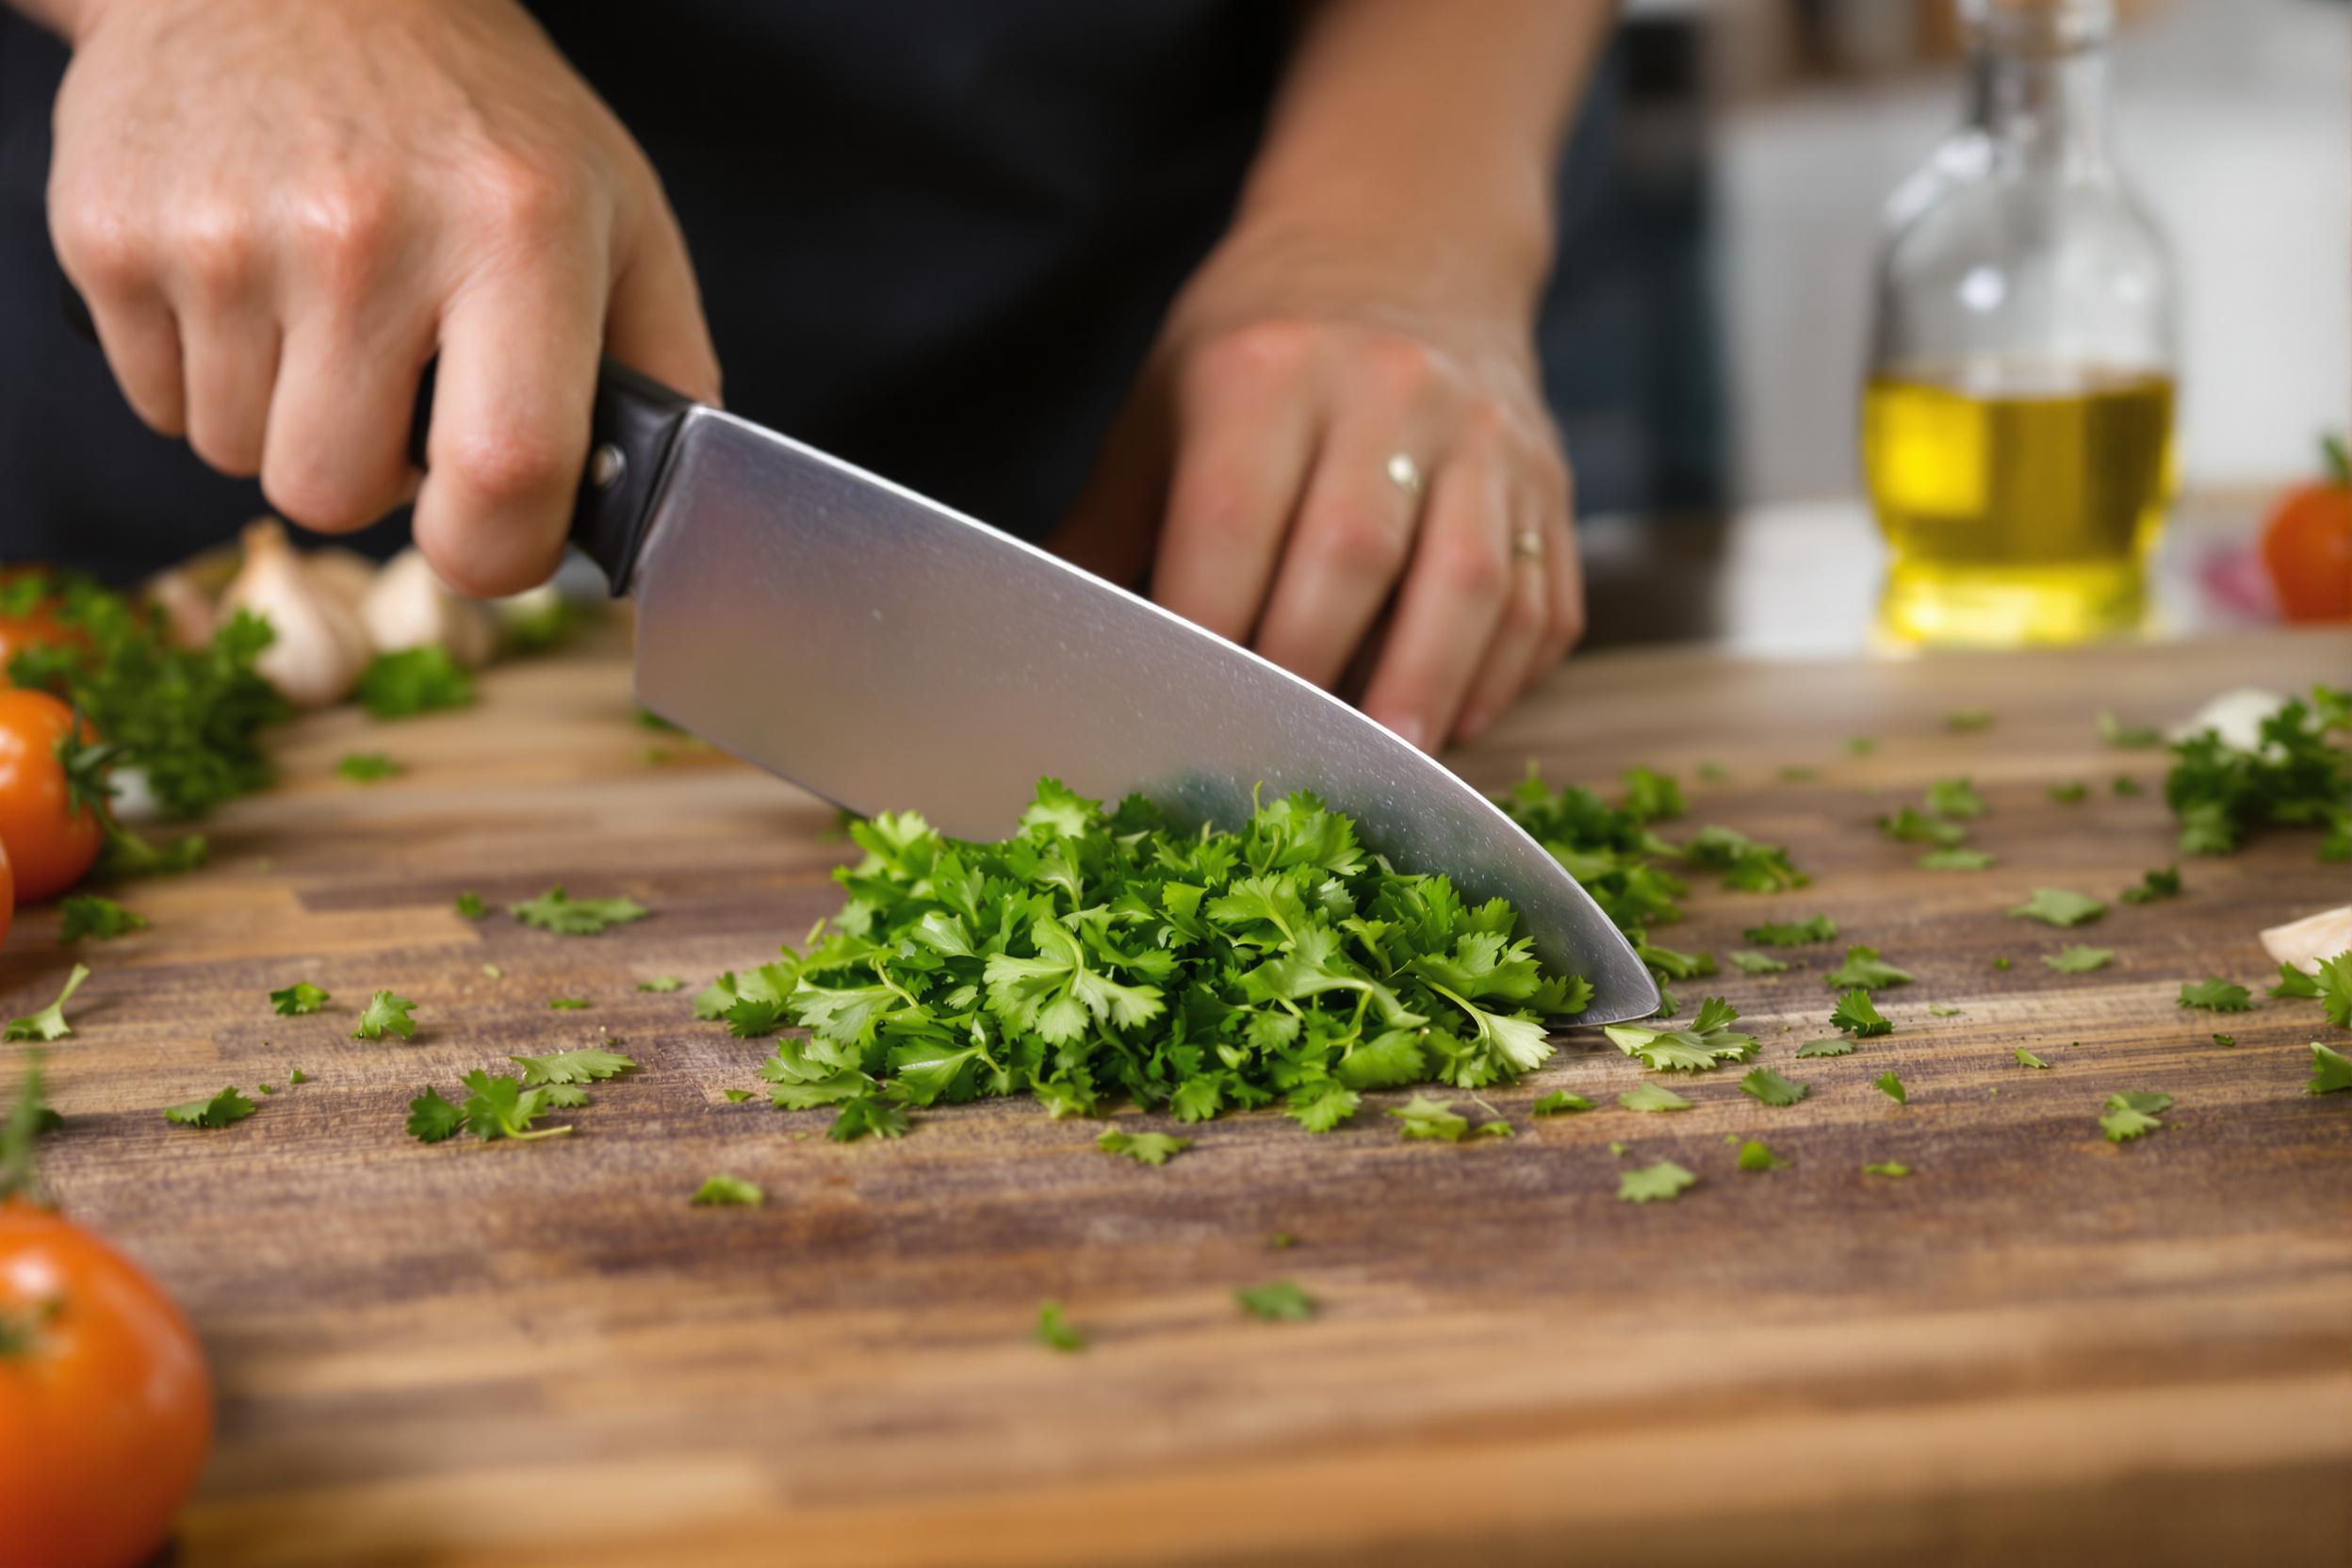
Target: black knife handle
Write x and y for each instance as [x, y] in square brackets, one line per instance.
[631, 428]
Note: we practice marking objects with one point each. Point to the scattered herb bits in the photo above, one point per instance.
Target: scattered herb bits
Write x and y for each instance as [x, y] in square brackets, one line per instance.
[1840, 1046]
[663, 982]
[1954, 797]
[2331, 1071]
[568, 1004]
[727, 1192]
[100, 919]
[1661, 1182]
[1772, 1089]
[2126, 737]
[1858, 1016]
[1706, 1044]
[1756, 1157]
[1280, 1301]
[1958, 860]
[1424, 1117]
[1961, 721]
[496, 1106]
[2134, 1114]
[1886, 1167]
[1053, 1331]
[1750, 962]
[367, 767]
[2217, 995]
[2027, 1058]
[1821, 928]
[1864, 968]
[414, 680]
[2071, 793]
[49, 1023]
[2225, 1039]
[385, 1014]
[1652, 1097]
[558, 911]
[1892, 1086]
[219, 1111]
[2058, 906]
[1559, 1103]
[2079, 959]
[470, 907]
[1144, 1148]
[2154, 884]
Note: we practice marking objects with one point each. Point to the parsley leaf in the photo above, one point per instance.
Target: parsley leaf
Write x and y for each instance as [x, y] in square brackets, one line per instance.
[298, 998]
[1747, 865]
[568, 1004]
[728, 1190]
[661, 983]
[1053, 1331]
[1749, 962]
[1758, 1156]
[1936, 1009]
[1142, 1148]
[1957, 859]
[2293, 778]
[470, 907]
[1323, 1105]
[2027, 1058]
[1963, 720]
[2331, 1071]
[49, 1023]
[1280, 1301]
[1772, 1089]
[2154, 884]
[1910, 826]
[558, 911]
[2126, 737]
[2217, 995]
[1886, 1167]
[1821, 928]
[219, 1111]
[1424, 1118]
[413, 681]
[2057, 907]
[385, 1013]
[89, 915]
[1954, 797]
[1559, 1103]
[499, 1106]
[865, 1116]
[433, 1118]
[1706, 1044]
[2225, 1039]
[2078, 959]
[2293, 982]
[2335, 988]
[1661, 1182]
[1839, 1046]
[2134, 1114]
[367, 767]
[2072, 794]
[1892, 1086]
[1858, 1016]
[586, 1064]
[1652, 1097]
[1863, 967]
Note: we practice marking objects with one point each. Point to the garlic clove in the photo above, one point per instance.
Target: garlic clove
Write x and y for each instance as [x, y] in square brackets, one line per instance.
[409, 606]
[2305, 942]
[321, 646]
[346, 574]
[186, 605]
[2236, 715]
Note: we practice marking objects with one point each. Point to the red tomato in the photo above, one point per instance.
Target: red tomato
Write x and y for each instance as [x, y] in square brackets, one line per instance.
[2308, 546]
[105, 1409]
[51, 838]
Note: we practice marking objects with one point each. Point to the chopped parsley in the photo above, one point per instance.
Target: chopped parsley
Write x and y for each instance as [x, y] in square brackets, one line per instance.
[2057, 907]
[1797, 773]
[2331, 1071]
[568, 1004]
[2293, 982]
[1954, 797]
[1053, 1331]
[2293, 777]
[1908, 826]
[2134, 1114]
[1652, 1097]
[1863, 967]
[558, 911]
[2217, 995]
[1961, 721]
[49, 1023]
[1706, 1044]
[470, 907]
[1144, 1148]
[2027, 1058]
[1750, 962]
[89, 915]
[867, 1117]
[721, 1191]
[2126, 785]
[1614, 852]
[736, 1097]
[1661, 1182]
[2225, 1039]
[367, 767]
[2078, 959]
[298, 999]
[1747, 866]
[1892, 1086]
[413, 681]
[2331, 985]
[495, 1107]
[1821, 928]
[2154, 884]
[1836, 1046]
[385, 1014]
[1424, 1117]
[1957, 859]
[1559, 1103]
[1772, 1089]
[2071, 794]
[219, 1111]
[661, 983]
[1858, 1016]
[1755, 1156]
[1280, 1301]
[2126, 737]
[1886, 1167]
[586, 1064]
[2001, 963]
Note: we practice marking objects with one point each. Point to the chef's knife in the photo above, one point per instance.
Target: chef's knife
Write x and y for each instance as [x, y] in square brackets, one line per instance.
[889, 653]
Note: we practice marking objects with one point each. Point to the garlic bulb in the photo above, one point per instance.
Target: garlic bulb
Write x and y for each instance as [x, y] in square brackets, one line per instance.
[407, 607]
[2305, 942]
[321, 646]
[346, 574]
[186, 605]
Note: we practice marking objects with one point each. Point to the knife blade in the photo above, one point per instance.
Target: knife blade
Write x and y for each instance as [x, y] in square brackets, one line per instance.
[885, 652]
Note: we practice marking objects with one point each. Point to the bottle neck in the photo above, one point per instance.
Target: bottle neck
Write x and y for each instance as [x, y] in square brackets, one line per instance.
[2041, 107]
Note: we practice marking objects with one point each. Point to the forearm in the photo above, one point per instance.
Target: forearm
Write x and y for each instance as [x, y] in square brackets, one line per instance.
[1430, 126]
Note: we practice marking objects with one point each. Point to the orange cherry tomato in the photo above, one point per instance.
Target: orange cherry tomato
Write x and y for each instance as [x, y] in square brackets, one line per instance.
[2308, 545]
[51, 831]
[105, 1407]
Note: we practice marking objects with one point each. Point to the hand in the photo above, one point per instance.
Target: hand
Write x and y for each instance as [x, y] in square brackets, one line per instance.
[279, 210]
[1292, 371]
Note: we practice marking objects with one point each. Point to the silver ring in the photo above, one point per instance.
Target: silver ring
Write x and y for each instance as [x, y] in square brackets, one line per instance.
[1527, 545]
[1405, 474]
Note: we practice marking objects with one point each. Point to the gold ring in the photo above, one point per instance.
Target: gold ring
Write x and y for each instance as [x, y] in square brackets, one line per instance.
[1527, 545]
[1405, 474]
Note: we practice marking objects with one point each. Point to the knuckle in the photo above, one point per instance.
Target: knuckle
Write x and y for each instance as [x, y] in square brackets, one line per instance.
[97, 242]
[527, 194]
[321, 498]
[347, 227]
[217, 244]
[1276, 347]
[1472, 567]
[512, 466]
[1358, 542]
[1400, 366]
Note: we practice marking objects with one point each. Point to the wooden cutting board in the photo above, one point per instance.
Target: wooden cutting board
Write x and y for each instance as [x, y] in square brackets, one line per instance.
[2040, 1346]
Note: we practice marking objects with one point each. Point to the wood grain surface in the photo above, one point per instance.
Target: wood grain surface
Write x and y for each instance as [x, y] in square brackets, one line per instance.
[2041, 1347]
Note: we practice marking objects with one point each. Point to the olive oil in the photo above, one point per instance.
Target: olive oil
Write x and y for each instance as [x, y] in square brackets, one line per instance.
[2021, 502]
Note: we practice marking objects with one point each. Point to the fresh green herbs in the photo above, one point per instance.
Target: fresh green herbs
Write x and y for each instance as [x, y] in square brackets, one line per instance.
[2332, 984]
[2077, 959]
[1954, 797]
[49, 1023]
[1652, 1097]
[1772, 1089]
[2071, 794]
[1424, 1117]
[2216, 995]
[867, 1117]
[2027, 1058]
[1144, 1148]
[2154, 884]
[2057, 907]
[727, 1192]
[1749, 962]
[1858, 1016]
[1908, 826]
[661, 983]
[495, 1107]
[1961, 721]
[1559, 1103]
[1756, 1157]
[1863, 967]
[1958, 860]
[470, 907]
[1838, 1046]
[1280, 1301]
[367, 767]
[1053, 1331]
[297, 999]
[92, 916]
[2134, 1114]
[385, 1014]
[2294, 777]
[1661, 1182]
[1706, 1044]
[1886, 1167]
[587, 1065]
[2331, 1071]
[414, 680]
[1892, 1086]
[558, 911]
[1821, 928]
[219, 1111]
[2126, 737]
[2225, 1039]
[569, 1004]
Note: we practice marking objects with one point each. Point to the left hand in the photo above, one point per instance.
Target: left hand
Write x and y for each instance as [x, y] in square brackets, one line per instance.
[1263, 438]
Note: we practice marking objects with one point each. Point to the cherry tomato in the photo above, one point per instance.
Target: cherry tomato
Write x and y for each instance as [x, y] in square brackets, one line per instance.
[2308, 545]
[8, 894]
[51, 828]
[105, 1407]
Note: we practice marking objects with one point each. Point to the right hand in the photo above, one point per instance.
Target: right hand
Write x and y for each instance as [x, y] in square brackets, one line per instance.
[278, 210]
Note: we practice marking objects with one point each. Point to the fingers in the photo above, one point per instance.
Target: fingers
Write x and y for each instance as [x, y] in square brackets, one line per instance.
[1452, 602]
[137, 328]
[1245, 435]
[655, 324]
[1511, 654]
[335, 454]
[508, 436]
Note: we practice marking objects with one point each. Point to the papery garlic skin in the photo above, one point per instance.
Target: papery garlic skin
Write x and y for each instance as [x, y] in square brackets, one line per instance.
[408, 606]
[186, 605]
[2305, 942]
[321, 646]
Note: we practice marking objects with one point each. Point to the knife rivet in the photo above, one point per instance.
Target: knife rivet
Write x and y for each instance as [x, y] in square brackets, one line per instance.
[606, 465]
